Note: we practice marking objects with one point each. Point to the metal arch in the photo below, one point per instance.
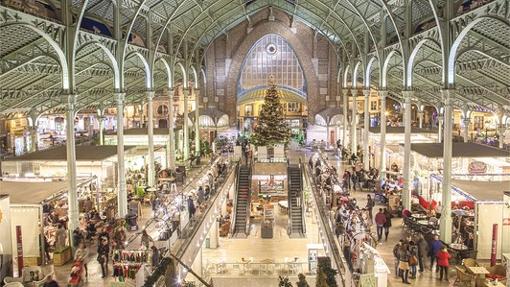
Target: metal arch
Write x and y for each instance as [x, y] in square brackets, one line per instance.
[184, 75]
[204, 76]
[262, 8]
[146, 67]
[442, 45]
[111, 57]
[60, 54]
[410, 64]
[384, 72]
[346, 72]
[195, 76]
[455, 46]
[170, 19]
[168, 71]
[354, 81]
[368, 70]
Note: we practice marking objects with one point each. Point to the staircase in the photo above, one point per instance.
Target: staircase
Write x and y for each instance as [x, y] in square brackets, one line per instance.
[242, 203]
[295, 198]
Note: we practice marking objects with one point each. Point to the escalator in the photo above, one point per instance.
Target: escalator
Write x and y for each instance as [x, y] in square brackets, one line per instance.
[242, 203]
[295, 201]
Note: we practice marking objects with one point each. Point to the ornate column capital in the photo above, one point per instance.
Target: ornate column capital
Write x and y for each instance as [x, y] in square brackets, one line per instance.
[354, 92]
[408, 95]
[383, 94]
[345, 91]
[150, 94]
[447, 97]
[366, 93]
[120, 97]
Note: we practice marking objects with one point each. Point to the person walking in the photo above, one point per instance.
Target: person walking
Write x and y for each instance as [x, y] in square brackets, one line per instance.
[443, 262]
[423, 250]
[435, 246]
[191, 207]
[413, 258]
[380, 221]
[103, 250]
[387, 224]
[370, 206]
[403, 264]
[82, 254]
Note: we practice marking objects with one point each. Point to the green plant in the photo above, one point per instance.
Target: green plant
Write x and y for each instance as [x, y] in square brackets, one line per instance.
[325, 274]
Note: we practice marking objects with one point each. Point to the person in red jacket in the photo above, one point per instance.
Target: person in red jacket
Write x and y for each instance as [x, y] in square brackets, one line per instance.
[442, 261]
[380, 220]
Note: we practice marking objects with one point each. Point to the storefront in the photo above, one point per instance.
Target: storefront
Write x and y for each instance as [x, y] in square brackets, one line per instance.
[91, 161]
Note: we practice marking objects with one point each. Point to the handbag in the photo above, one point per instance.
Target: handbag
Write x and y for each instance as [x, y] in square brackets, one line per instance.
[413, 260]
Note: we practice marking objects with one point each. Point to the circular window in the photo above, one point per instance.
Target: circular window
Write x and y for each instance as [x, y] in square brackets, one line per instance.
[271, 49]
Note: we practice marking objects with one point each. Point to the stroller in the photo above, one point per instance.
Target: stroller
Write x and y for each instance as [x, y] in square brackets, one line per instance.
[76, 277]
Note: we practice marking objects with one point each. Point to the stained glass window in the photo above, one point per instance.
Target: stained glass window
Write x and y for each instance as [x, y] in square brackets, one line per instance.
[271, 55]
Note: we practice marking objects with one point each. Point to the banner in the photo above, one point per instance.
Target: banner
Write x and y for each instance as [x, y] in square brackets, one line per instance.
[19, 249]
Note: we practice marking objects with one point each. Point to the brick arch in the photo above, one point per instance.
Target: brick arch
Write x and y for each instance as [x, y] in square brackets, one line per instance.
[302, 53]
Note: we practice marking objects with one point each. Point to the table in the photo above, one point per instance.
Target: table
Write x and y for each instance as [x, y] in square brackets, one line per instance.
[419, 216]
[479, 273]
[494, 284]
[458, 246]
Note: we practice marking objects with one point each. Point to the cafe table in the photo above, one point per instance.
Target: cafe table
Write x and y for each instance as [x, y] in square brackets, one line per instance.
[479, 273]
[494, 284]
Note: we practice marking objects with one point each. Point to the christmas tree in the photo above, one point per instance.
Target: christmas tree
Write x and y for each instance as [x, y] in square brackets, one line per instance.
[271, 127]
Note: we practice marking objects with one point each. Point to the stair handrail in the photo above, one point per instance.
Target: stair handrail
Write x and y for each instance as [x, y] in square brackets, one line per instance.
[302, 196]
[248, 202]
[234, 203]
[289, 202]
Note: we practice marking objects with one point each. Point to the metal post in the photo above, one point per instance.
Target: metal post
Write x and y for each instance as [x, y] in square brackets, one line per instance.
[366, 125]
[345, 121]
[122, 192]
[466, 121]
[150, 137]
[354, 120]
[33, 133]
[440, 128]
[382, 140]
[171, 132]
[185, 130]
[197, 126]
[406, 195]
[420, 118]
[446, 218]
[101, 120]
[72, 197]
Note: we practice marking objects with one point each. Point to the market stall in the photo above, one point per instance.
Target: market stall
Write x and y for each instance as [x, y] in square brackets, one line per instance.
[395, 137]
[31, 203]
[98, 161]
[471, 161]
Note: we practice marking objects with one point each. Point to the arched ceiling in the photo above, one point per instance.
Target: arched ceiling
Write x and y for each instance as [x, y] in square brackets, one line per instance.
[183, 29]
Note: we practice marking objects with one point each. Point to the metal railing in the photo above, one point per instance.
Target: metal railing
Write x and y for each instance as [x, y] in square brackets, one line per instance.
[255, 269]
[234, 202]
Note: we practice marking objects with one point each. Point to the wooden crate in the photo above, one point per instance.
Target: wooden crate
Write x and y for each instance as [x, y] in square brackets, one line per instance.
[62, 257]
[31, 261]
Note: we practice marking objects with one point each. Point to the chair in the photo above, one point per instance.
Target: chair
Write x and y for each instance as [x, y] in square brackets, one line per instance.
[463, 278]
[469, 262]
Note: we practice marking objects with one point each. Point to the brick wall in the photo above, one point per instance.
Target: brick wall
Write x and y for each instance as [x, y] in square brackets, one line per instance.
[225, 56]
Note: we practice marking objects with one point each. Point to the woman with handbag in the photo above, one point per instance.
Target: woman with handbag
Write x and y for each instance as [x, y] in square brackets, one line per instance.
[403, 263]
[413, 258]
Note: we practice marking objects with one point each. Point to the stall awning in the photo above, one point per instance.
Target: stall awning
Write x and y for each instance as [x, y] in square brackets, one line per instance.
[83, 153]
[469, 150]
[483, 190]
[22, 192]
[142, 131]
[400, 130]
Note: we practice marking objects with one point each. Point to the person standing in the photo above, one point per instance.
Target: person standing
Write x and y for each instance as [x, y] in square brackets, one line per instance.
[387, 224]
[191, 207]
[443, 262]
[396, 254]
[423, 250]
[435, 247]
[403, 264]
[103, 251]
[413, 258]
[380, 221]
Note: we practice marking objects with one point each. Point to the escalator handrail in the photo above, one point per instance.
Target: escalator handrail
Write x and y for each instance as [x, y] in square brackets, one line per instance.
[234, 203]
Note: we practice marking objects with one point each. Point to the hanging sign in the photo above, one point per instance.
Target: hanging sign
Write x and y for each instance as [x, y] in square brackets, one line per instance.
[477, 167]
[19, 248]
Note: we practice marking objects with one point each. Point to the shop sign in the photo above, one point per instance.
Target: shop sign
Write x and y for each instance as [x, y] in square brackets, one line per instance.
[477, 167]
[19, 248]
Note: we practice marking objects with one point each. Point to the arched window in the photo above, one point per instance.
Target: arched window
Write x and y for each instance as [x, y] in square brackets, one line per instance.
[271, 55]
[162, 110]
